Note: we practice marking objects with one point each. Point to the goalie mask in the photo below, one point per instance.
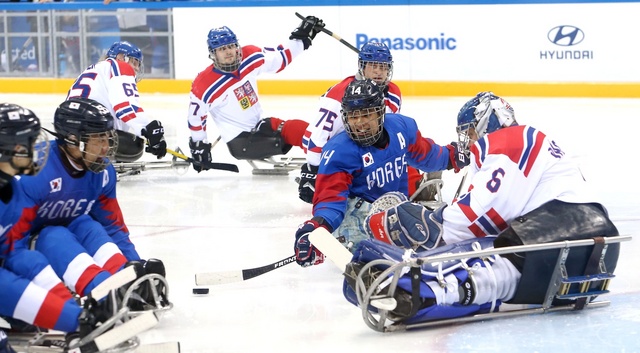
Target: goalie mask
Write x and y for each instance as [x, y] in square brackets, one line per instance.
[132, 56]
[224, 49]
[85, 131]
[22, 143]
[485, 113]
[363, 110]
[375, 62]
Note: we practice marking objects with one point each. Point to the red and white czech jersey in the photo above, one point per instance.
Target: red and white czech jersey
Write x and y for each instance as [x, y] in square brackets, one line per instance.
[113, 84]
[232, 98]
[513, 171]
[328, 121]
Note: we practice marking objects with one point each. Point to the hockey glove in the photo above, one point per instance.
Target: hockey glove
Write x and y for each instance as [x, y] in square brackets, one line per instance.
[200, 152]
[307, 30]
[458, 158]
[154, 133]
[408, 225]
[306, 254]
[307, 186]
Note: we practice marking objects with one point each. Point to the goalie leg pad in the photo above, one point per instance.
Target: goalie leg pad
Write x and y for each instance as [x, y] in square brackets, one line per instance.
[130, 147]
[445, 290]
[262, 142]
[352, 229]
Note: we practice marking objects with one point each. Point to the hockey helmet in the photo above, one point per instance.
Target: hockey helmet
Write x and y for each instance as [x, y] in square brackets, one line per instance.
[376, 54]
[79, 121]
[363, 98]
[223, 37]
[21, 136]
[485, 113]
[130, 52]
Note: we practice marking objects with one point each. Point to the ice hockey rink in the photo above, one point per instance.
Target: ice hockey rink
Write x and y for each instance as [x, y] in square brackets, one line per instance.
[217, 220]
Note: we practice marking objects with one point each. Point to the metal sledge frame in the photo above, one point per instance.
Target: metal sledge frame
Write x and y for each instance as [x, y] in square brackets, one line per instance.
[281, 165]
[135, 168]
[557, 288]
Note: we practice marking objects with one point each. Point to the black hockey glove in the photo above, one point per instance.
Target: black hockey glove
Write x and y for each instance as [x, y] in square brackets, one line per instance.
[154, 133]
[200, 152]
[306, 254]
[307, 186]
[458, 158]
[307, 30]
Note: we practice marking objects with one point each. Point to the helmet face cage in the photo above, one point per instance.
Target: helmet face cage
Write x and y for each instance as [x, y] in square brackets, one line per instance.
[88, 125]
[377, 54]
[485, 113]
[363, 103]
[132, 55]
[21, 137]
[220, 39]
[97, 162]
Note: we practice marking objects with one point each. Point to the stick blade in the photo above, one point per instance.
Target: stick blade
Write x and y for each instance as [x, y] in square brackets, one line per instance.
[216, 278]
[330, 247]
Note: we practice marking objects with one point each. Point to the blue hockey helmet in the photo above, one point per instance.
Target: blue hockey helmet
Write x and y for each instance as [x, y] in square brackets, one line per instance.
[21, 136]
[363, 109]
[132, 56]
[224, 38]
[485, 113]
[82, 121]
[379, 55]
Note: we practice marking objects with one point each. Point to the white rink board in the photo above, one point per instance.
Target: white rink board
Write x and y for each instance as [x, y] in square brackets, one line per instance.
[498, 43]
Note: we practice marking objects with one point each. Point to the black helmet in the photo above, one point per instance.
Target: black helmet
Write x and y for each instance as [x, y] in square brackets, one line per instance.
[21, 127]
[77, 119]
[362, 98]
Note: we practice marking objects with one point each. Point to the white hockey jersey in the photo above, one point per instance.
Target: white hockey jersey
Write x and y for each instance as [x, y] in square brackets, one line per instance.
[513, 171]
[232, 98]
[113, 84]
[328, 121]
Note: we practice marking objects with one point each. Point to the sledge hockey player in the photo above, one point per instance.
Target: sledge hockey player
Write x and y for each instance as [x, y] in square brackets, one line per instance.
[524, 190]
[364, 162]
[375, 62]
[79, 226]
[227, 90]
[31, 291]
[113, 83]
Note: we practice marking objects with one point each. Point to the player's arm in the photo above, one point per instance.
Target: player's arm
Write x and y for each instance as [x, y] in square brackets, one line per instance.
[108, 213]
[123, 95]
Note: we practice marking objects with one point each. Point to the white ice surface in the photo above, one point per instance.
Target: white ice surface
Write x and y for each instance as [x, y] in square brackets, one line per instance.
[216, 220]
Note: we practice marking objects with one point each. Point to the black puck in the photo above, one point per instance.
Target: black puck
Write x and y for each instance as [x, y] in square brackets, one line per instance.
[200, 290]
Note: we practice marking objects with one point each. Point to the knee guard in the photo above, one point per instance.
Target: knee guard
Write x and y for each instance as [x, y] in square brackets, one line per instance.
[555, 221]
[262, 142]
[130, 147]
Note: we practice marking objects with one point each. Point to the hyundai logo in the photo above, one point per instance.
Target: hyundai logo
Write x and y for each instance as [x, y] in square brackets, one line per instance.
[565, 36]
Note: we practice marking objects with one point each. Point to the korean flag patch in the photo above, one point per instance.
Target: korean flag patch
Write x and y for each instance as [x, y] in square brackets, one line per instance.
[367, 159]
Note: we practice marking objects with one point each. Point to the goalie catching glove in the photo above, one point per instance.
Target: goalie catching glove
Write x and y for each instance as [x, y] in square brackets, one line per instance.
[154, 133]
[201, 153]
[306, 254]
[307, 30]
[408, 225]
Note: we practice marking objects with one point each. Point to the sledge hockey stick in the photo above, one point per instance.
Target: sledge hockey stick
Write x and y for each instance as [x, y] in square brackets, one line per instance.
[335, 36]
[222, 277]
[206, 165]
[464, 178]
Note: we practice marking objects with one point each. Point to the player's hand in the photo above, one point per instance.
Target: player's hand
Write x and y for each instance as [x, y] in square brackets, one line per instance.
[307, 30]
[200, 152]
[154, 133]
[458, 157]
[307, 186]
[306, 254]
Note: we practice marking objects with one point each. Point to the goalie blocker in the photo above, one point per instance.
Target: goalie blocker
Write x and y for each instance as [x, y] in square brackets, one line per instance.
[430, 291]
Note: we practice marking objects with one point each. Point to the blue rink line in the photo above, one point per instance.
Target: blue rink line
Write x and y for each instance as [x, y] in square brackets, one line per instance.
[98, 5]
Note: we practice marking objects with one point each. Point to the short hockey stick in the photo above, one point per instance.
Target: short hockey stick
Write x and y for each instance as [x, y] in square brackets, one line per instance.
[464, 178]
[223, 277]
[206, 165]
[335, 36]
